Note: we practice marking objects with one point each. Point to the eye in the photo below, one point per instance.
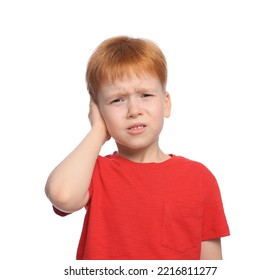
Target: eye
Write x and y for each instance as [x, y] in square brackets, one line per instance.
[116, 100]
[145, 95]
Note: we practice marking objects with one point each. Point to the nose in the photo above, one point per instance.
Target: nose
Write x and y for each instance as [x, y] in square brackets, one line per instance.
[133, 109]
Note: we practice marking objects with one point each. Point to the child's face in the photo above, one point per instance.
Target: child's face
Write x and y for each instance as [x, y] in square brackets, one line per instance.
[134, 110]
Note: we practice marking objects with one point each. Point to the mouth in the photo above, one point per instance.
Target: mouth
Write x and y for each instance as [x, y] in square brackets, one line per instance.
[136, 128]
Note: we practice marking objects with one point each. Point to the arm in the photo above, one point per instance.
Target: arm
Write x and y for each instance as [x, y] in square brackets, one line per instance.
[211, 250]
[67, 185]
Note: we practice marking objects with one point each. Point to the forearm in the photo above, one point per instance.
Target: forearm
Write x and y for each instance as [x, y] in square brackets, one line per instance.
[211, 250]
[67, 185]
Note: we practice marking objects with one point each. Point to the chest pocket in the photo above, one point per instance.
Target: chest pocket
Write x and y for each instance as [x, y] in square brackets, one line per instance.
[181, 227]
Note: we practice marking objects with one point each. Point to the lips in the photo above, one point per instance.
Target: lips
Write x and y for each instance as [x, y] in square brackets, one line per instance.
[136, 128]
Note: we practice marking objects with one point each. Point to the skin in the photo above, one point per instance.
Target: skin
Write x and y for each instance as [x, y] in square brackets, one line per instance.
[211, 250]
[131, 111]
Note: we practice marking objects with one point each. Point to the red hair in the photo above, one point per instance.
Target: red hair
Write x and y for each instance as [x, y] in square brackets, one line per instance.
[121, 56]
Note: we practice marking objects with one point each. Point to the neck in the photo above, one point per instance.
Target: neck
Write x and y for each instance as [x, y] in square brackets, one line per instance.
[144, 155]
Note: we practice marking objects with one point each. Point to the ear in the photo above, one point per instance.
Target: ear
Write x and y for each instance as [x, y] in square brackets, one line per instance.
[167, 105]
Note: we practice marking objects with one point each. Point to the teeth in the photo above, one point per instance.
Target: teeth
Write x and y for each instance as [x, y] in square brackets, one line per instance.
[137, 127]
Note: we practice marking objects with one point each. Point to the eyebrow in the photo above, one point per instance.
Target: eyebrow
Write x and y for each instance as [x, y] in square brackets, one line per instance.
[118, 95]
[124, 93]
[137, 90]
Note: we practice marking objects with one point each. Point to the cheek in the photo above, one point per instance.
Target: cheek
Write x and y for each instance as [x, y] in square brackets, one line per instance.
[111, 120]
[158, 110]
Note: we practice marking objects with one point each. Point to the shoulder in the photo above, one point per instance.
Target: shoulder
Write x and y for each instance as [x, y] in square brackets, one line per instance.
[196, 169]
[107, 159]
[106, 163]
[191, 164]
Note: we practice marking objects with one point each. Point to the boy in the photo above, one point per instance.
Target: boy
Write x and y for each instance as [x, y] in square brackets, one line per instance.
[141, 202]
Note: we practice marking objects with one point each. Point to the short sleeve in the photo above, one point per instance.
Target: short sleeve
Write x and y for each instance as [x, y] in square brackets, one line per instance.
[59, 212]
[214, 223]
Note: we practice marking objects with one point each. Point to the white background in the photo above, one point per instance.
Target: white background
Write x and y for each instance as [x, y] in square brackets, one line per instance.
[224, 75]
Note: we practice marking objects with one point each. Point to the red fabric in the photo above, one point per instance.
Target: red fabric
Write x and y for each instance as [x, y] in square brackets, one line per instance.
[60, 213]
[151, 210]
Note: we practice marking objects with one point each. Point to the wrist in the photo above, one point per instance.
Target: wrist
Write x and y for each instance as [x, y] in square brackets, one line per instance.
[99, 134]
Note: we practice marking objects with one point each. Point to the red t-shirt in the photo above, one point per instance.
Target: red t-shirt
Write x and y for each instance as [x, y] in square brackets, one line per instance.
[150, 210]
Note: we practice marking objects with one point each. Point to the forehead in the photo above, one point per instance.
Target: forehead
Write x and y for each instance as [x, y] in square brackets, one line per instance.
[131, 83]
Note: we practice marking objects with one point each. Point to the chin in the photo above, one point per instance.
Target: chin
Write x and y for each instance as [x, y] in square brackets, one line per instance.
[133, 146]
[139, 144]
